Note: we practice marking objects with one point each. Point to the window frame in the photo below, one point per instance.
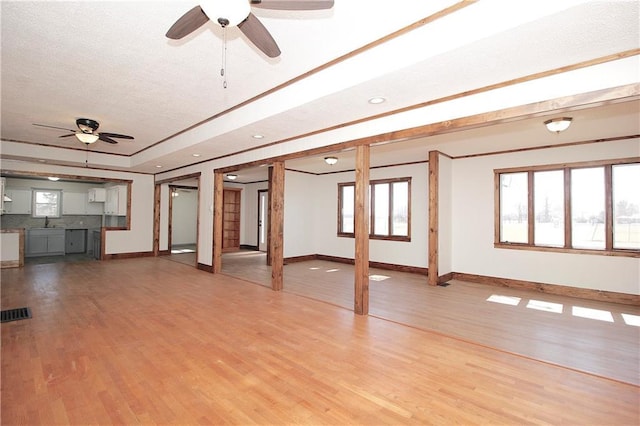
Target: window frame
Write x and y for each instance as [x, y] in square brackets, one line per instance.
[389, 237]
[609, 250]
[34, 196]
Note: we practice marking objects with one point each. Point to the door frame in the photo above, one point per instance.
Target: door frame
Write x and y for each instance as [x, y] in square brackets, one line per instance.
[158, 211]
[263, 193]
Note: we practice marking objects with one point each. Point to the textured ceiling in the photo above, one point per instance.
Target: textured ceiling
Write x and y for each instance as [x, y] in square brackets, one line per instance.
[111, 62]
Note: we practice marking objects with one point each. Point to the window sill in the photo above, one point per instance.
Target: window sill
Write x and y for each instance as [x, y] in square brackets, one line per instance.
[518, 246]
[380, 237]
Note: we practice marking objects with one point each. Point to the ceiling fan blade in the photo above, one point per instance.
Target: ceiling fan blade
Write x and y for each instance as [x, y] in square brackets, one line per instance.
[258, 35]
[66, 136]
[107, 139]
[115, 135]
[53, 127]
[188, 23]
[293, 4]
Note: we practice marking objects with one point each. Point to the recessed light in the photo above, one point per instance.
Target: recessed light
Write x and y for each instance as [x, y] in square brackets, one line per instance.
[53, 178]
[377, 100]
[42, 161]
[196, 155]
[258, 136]
[159, 166]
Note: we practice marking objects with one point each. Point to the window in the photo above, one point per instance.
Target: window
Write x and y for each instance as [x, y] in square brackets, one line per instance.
[584, 207]
[626, 206]
[46, 202]
[389, 209]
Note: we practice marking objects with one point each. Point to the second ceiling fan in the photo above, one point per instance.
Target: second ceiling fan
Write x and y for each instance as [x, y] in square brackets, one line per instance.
[231, 13]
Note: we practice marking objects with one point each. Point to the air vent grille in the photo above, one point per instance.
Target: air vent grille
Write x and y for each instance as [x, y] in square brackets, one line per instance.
[15, 314]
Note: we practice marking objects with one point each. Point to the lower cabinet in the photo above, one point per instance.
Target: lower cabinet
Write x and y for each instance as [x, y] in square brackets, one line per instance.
[75, 241]
[44, 242]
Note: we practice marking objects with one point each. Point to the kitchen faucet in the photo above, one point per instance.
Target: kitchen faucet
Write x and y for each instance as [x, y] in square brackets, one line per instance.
[46, 221]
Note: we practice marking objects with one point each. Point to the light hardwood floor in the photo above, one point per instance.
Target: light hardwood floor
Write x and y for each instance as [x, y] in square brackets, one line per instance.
[609, 346]
[150, 341]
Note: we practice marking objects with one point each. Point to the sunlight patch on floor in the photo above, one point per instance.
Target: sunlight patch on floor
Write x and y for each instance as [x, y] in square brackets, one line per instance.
[378, 277]
[505, 300]
[631, 319]
[596, 314]
[545, 306]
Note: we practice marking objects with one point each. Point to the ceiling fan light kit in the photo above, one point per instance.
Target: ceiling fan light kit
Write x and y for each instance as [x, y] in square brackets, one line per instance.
[226, 12]
[86, 132]
[87, 138]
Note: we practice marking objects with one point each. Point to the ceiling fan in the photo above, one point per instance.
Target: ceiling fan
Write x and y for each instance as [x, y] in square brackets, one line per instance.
[86, 132]
[232, 13]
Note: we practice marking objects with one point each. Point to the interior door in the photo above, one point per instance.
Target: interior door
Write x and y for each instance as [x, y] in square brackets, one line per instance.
[263, 218]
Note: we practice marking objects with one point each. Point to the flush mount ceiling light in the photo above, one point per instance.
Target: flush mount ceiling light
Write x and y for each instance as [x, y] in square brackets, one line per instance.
[87, 138]
[231, 176]
[558, 124]
[331, 160]
[53, 178]
[376, 100]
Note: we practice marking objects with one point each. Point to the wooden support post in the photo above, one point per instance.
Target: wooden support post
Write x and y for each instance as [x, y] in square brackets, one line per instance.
[276, 240]
[361, 230]
[218, 211]
[433, 217]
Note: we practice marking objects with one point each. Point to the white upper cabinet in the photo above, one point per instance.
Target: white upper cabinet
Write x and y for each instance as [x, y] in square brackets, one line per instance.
[74, 202]
[97, 195]
[116, 202]
[20, 201]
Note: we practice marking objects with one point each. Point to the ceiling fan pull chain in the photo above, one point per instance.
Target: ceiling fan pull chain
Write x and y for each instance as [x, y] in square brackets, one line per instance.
[224, 56]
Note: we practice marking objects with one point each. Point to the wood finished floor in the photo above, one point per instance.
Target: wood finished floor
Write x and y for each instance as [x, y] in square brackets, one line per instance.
[150, 341]
[609, 349]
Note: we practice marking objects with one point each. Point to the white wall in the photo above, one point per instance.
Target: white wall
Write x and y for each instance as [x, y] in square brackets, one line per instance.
[325, 202]
[473, 230]
[300, 218]
[325, 216]
[445, 215]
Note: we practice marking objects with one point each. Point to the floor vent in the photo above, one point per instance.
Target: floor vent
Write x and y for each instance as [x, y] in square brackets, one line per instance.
[444, 284]
[16, 314]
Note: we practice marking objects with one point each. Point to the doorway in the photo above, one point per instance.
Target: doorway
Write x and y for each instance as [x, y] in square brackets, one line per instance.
[183, 223]
[263, 219]
[177, 202]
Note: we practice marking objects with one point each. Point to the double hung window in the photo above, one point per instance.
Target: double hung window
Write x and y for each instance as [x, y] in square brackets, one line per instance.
[47, 203]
